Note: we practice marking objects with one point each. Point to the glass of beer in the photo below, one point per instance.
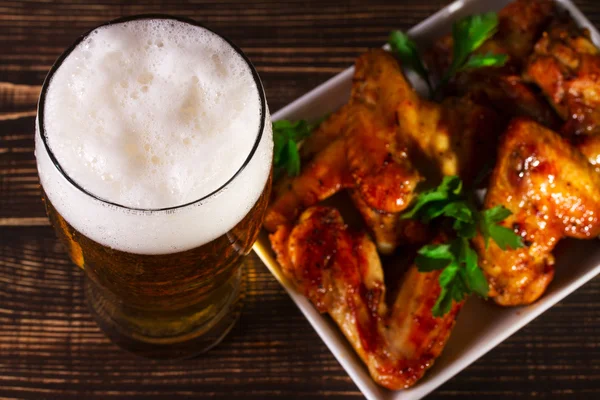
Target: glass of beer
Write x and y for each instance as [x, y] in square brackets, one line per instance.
[154, 150]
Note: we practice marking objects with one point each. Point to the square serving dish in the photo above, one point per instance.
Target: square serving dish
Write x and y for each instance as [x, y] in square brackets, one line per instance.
[481, 325]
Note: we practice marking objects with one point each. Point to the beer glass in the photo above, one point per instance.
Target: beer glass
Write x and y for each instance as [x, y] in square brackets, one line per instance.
[154, 151]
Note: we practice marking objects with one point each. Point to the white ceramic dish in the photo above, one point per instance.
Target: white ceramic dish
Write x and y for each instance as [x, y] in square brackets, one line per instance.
[481, 325]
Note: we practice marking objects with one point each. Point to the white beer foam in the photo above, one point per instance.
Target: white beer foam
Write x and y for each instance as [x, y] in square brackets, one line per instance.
[153, 114]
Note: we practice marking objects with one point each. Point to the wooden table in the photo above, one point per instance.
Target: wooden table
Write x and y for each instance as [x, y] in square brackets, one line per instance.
[51, 348]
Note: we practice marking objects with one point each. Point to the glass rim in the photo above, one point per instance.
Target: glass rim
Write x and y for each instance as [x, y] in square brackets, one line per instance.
[69, 50]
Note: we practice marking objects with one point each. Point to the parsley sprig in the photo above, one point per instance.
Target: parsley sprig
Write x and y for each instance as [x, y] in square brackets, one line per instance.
[286, 136]
[461, 274]
[468, 35]
[407, 51]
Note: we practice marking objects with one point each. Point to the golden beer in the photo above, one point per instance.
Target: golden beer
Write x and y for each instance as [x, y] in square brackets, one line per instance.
[162, 260]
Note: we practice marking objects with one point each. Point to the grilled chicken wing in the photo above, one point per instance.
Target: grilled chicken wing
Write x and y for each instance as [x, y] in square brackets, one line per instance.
[362, 150]
[445, 134]
[340, 272]
[566, 66]
[553, 192]
[321, 178]
[520, 24]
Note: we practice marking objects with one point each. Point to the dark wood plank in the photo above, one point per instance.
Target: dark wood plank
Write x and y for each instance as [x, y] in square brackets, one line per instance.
[51, 348]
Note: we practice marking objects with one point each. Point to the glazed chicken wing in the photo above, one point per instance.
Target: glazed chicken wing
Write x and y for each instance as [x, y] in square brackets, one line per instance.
[361, 149]
[520, 25]
[321, 178]
[443, 134]
[566, 66]
[446, 135]
[340, 272]
[379, 164]
[553, 192]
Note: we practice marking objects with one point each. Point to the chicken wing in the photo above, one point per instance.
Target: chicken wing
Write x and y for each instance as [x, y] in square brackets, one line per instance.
[553, 192]
[566, 66]
[383, 174]
[520, 24]
[321, 178]
[340, 272]
[378, 83]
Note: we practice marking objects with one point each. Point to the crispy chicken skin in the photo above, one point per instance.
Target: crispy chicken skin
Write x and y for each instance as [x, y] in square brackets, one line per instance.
[454, 136]
[379, 164]
[340, 272]
[566, 66]
[553, 192]
[520, 24]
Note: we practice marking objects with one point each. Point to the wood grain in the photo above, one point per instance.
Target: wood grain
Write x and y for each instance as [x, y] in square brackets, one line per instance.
[49, 345]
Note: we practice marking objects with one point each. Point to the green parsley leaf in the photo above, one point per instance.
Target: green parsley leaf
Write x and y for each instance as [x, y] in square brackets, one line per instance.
[443, 304]
[459, 210]
[448, 274]
[407, 51]
[475, 278]
[458, 261]
[433, 257]
[466, 230]
[504, 237]
[451, 185]
[484, 60]
[459, 288]
[286, 135]
[293, 159]
[468, 35]
[430, 204]
[496, 214]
